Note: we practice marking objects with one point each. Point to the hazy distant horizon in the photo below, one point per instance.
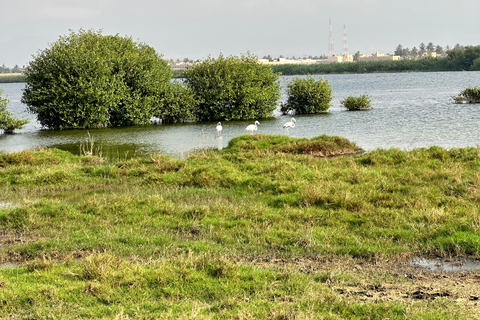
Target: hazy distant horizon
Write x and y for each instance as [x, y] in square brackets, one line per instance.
[196, 29]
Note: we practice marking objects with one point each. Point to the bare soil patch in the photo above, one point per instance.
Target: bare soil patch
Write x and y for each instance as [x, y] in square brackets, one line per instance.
[383, 280]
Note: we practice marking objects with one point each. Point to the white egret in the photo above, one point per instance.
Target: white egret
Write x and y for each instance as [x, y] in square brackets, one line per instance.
[252, 127]
[290, 124]
[219, 128]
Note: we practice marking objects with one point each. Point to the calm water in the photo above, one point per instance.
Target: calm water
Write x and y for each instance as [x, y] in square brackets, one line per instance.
[411, 110]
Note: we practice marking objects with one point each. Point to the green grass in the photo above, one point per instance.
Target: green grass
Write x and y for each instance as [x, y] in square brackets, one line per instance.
[219, 234]
[12, 78]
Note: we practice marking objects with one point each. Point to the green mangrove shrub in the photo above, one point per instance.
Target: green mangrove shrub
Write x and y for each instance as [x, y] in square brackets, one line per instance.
[307, 96]
[468, 95]
[178, 104]
[233, 88]
[362, 102]
[8, 123]
[87, 79]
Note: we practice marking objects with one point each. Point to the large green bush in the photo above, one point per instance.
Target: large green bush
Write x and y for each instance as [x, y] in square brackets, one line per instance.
[87, 79]
[8, 123]
[307, 96]
[233, 88]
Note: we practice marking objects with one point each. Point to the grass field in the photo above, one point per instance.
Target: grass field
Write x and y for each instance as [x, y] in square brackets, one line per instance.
[271, 227]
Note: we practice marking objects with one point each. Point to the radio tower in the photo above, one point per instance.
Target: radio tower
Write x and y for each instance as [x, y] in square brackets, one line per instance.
[331, 50]
[345, 46]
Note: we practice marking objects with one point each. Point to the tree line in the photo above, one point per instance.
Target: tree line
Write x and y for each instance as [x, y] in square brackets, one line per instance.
[456, 59]
[423, 48]
[15, 69]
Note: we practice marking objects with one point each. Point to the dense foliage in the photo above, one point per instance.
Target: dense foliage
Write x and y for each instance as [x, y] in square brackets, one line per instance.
[426, 64]
[466, 59]
[307, 96]
[86, 79]
[233, 88]
[8, 123]
[362, 102]
[178, 104]
[468, 95]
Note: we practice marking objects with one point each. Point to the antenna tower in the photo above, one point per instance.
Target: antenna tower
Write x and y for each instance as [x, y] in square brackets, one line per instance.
[345, 45]
[331, 50]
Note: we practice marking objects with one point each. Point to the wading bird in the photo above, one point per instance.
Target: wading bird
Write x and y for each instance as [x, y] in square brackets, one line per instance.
[219, 129]
[252, 127]
[290, 124]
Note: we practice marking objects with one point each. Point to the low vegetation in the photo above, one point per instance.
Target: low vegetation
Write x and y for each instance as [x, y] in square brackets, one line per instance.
[270, 227]
[8, 123]
[468, 95]
[363, 102]
[11, 78]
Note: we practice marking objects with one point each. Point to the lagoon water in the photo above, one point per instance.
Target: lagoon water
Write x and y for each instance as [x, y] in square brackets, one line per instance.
[411, 110]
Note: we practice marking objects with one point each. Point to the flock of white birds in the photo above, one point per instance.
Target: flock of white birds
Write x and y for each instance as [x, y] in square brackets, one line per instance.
[254, 127]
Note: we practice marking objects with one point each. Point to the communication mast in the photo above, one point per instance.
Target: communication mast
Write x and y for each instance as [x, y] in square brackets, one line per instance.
[345, 45]
[331, 50]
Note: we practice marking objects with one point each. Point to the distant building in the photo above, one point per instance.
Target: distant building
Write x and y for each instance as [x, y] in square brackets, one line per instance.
[378, 57]
[430, 55]
[332, 59]
[338, 59]
[181, 65]
[287, 61]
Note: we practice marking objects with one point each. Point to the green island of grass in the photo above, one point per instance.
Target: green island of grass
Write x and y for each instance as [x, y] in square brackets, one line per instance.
[270, 227]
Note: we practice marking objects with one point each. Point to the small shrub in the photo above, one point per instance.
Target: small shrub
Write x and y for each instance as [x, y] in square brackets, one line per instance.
[362, 102]
[307, 96]
[8, 123]
[469, 95]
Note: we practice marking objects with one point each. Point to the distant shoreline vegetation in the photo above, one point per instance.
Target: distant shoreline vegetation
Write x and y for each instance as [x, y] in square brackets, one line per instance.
[458, 59]
[420, 65]
[11, 78]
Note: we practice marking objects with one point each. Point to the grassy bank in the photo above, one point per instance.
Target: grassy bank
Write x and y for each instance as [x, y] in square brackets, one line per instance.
[11, 77]
[269, 228]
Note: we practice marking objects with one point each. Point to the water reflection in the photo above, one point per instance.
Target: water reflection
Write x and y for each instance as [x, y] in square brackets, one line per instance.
[450, 265]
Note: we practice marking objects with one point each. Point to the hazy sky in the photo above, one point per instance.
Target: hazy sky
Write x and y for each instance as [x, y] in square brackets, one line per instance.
[199, 28]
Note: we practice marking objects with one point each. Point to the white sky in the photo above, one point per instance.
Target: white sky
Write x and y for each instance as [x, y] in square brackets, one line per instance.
[199, 28]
